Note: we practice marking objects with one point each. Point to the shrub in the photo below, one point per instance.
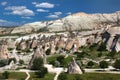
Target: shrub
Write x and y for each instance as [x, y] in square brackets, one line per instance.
[90, 63]
[12, 59]
[3, 63]
[48, 51]
[62, 76]
[103, 64]
[37, 63]
[117, 64]
[21, 61]
[102, 47]
[41, 73]
[5, 75]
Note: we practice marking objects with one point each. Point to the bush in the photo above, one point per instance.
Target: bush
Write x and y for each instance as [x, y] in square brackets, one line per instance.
[80, 54]
[102, 47]
[41, 73]
[48, 51]
[62, 76]
[60, 59]
[12, 59]
[100, 54]
[90, 64]
[3, 63]
[21, 61]
[5, 75]
[10, 49]
[37, 64]
[111, 54]
[103, 64]
[117, 64]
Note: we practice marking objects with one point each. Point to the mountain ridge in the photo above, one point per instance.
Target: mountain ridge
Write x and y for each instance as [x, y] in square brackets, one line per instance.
[77, 21]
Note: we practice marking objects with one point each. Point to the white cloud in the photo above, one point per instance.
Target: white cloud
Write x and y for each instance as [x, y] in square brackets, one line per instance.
[3, 3]
[43, 5]
[26, 17]
[57, 13]
[1, 20]
[34, 2]
[42, 10]
[69, 13]
[54, 15]
[19, 10]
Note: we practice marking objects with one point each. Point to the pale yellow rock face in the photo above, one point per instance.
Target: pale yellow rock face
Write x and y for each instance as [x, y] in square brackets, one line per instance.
[73, 68]
[3, 52]
[69, 44]
[75, 21]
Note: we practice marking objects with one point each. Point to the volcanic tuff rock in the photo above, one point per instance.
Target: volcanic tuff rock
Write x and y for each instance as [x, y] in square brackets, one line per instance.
[74, 68]
[3, 51]
[78, 21]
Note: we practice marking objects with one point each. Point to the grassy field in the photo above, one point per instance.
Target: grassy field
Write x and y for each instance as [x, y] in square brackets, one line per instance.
[92, 76]
[22, 76]
[15, 76]
[47, 77]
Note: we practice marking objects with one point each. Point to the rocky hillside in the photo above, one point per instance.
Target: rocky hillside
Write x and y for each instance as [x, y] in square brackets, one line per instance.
[78, 21]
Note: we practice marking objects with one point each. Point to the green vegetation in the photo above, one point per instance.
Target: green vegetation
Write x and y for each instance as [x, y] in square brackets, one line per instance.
[13, 75]
[90, 64]
[3, 63]
[21, 62]
[37, 64]
[48, 76]
[59, 60]
[103, 64]
[117, 64]
[22, 76]
[12, 59]
[10, 49]
[5, 75]
[90, 76]
[41, 73]
[62, 76]
[48, 51]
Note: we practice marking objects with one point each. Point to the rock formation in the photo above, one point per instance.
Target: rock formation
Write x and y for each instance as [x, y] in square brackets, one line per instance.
[4, 51]
[73, 68]
[38, 53]
[77, 21]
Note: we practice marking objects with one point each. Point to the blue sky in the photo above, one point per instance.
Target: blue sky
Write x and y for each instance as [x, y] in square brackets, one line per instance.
[14, 12]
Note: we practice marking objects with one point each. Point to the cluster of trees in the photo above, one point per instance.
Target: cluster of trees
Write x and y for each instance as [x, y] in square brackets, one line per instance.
[63, 76]
[38, 65]
[60, 61]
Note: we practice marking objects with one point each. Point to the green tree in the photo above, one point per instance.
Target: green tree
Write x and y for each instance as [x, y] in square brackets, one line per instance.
[111, 54]
[21, 61]
[3, 63]
[12, 59]
[62, 76]
[37, 64]
[41, 73]
[60, 59]
[102, 47]
[5, 75]
[117, 64]
[103, 64]
[90, 63]
[78, 77]
[48, 51]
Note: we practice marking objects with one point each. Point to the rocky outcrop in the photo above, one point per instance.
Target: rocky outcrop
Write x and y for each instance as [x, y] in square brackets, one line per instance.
[38, 53]
[73, 68]
[112, 38]
[4, 51]
[78, 21]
